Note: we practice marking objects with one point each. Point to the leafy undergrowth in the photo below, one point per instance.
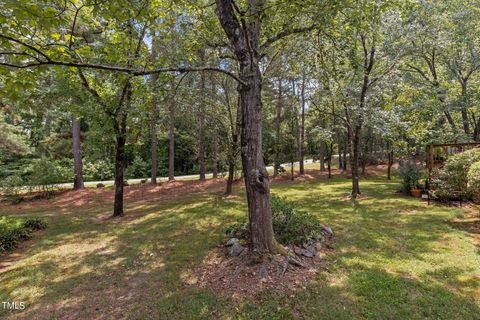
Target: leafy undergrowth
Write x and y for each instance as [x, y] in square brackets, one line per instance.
[394, 258]
[14, 230]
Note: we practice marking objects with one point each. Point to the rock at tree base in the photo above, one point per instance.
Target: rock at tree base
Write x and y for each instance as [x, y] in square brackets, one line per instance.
[326, 230]
[236, 249]
[309, 253]
[232, 241]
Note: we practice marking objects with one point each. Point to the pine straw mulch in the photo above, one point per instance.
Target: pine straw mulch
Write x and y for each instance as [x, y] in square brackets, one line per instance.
[245, 275]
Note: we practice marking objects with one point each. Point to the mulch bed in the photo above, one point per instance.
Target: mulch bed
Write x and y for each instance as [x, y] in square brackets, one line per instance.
[245, 276]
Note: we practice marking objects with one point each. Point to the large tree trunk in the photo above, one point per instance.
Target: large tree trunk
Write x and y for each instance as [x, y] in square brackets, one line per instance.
[171, 134]
[120, 127]
[77, 155]
[302, 128]
[255, 173]
[278, 122]
[119, 176]
[250, 92]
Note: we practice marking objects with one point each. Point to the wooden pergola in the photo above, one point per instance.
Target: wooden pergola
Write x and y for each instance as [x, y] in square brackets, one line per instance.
[447, 149]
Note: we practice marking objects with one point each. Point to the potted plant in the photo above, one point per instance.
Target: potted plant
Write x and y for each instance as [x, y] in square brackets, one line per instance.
[411, 174]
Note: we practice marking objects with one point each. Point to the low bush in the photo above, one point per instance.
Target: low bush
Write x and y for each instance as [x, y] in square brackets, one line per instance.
[13, 230]
[34, 224]
[473, 178]
[452, 181]
[411, 174]
[11, 187]
[290, 225]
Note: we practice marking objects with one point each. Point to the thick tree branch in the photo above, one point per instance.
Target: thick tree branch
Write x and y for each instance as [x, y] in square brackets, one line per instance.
[285, 33]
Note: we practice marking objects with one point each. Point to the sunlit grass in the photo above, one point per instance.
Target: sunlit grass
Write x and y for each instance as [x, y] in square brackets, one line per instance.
[394, 258]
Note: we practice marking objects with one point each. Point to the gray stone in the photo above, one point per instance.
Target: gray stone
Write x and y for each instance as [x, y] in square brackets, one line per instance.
[326, 230]
[232, 241]
[236, 249]
[318, 246]
[309, 253]
[312, 249]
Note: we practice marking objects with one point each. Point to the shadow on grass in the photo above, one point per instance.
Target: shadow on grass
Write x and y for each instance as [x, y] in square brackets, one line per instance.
[133, 268]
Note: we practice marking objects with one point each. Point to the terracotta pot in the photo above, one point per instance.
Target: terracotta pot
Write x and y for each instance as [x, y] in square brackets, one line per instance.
[417, 193]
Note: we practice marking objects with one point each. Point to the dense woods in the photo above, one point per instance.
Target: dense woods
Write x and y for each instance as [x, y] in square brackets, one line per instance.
[100, 90]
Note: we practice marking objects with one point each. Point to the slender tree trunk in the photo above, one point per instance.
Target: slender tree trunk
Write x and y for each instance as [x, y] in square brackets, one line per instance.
[153, 134]
[329, 160]
[390, 160]
[215, 156]
[345, 162]
[77, 155]
[302, 128]
[292, 171]
[476, 134]
[231, 174]
[354, 161]
[171, 135]
[321, 155]
[201, 130]
[465, 121]
[278, 120]
[340, 163]
[235, 127]
[119, 176]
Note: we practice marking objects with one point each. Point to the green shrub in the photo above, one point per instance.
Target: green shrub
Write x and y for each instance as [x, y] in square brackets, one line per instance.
[290, 226]
[11, 188]
[411, 175]
[452, 181]
[44, 175]
[473, 177]
[34, 224]
[98, 170]
[137, 169]
[14, 230]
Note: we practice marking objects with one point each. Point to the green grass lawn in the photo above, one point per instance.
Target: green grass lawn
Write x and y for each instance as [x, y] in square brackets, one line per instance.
[394, 258]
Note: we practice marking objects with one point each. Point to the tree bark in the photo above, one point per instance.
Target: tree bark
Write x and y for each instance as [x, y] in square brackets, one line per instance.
[302, 128]
[244, 40]
[153, 133]
[465, 121]
[235, 127]
[171, 134]
[215, 156]
[77, 155]
[354, 161]
[278, 122]
[201, 129]
[390, 160]
[321, 155]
